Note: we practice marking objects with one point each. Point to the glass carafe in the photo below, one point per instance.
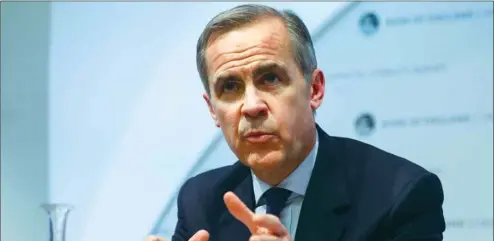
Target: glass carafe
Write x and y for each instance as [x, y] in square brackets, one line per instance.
[57, 214]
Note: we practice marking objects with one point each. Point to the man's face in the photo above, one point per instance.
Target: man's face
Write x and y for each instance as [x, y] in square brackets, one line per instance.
[259, 97]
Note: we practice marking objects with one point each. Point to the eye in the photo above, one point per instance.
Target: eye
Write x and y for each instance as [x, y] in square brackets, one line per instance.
[230, 86]
[271, 79]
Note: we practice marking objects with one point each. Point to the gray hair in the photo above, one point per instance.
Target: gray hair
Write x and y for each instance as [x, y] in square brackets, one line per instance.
[301, 41]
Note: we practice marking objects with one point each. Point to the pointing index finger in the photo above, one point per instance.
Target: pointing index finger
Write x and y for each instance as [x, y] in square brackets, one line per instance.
[240, 211]
[272, 223]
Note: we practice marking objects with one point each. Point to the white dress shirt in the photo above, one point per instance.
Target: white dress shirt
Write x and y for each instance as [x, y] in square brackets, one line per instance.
[296, 182]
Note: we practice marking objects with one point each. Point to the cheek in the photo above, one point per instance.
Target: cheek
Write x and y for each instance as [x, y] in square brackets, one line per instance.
[228, 117]
[291, 110]
[294, 104]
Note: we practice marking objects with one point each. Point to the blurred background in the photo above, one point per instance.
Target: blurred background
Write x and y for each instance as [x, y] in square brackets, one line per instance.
[101, 106]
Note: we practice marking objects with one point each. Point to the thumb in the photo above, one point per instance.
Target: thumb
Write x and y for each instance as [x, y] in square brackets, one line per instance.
[201, 235]
[154, 238]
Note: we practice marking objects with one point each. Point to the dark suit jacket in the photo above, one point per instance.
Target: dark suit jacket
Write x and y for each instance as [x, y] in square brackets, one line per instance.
[356, 192]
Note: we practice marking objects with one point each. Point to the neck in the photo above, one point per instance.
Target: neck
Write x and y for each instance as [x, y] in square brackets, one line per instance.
[276, 175]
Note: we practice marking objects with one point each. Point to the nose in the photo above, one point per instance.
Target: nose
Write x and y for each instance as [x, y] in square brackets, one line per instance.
[253, 105]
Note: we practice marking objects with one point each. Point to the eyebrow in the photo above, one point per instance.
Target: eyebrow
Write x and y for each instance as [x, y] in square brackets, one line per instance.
[224, 77]
[267, 67]
[259, 70]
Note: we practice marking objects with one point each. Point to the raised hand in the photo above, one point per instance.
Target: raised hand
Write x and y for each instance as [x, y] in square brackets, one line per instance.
[201, 235]
[154, 238]
[263, 227]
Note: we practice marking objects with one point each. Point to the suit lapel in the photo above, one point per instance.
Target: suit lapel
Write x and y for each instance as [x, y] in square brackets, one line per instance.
[326, 202]
[225, 226]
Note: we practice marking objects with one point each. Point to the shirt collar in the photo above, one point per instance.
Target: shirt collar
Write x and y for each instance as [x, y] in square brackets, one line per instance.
[296, 182]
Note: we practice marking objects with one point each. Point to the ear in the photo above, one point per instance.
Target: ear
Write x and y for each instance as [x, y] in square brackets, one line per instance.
[317, 86]
[211, 109]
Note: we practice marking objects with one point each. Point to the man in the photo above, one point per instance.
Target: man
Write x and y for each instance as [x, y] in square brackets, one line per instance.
[292, 181]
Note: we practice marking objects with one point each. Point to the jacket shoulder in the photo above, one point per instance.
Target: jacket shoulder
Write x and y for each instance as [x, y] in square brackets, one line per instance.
[393, 190]
[377, 175]
[380, 162]
[204, 182]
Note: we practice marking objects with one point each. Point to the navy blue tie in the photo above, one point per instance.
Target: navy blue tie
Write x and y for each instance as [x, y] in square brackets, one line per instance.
[275, 199]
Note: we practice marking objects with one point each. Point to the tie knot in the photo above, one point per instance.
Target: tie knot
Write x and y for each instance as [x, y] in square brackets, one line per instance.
[275, 199]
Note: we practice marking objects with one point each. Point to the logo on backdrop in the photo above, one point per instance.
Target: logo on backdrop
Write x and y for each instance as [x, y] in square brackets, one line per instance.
[369, 23]
[365, 124]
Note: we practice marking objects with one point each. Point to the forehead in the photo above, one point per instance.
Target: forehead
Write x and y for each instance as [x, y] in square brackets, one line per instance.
[265, 39]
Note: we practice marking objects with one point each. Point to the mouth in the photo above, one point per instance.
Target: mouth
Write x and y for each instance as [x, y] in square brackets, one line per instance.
[258, 136]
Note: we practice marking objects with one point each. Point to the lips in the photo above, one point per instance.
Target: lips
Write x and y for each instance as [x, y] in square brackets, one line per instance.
[258, 136]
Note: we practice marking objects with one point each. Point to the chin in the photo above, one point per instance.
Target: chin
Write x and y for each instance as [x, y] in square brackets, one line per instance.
[265, 161]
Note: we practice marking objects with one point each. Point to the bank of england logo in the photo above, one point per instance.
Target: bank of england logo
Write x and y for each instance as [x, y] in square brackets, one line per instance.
[365, 124]
[369, 23]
